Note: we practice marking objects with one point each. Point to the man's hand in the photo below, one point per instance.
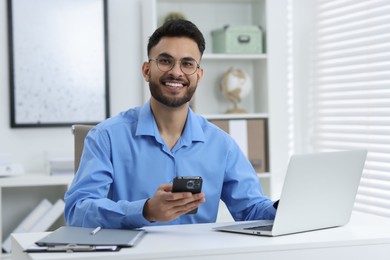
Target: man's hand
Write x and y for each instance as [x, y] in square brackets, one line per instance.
[166, 206]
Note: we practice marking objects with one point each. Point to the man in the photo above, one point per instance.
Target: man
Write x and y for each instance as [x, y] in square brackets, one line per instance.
[129, 161]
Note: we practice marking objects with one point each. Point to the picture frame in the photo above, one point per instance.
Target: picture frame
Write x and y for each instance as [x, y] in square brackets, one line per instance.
[58, 60]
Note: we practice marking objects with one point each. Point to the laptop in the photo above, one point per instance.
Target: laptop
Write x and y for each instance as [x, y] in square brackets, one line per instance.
[318, 192]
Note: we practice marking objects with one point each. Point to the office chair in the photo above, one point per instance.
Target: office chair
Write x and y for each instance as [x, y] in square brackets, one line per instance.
[79, 132]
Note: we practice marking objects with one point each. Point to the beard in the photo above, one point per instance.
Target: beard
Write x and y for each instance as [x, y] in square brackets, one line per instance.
[157, 93]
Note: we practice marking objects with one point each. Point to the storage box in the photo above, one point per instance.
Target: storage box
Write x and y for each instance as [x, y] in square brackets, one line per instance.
[238, 39]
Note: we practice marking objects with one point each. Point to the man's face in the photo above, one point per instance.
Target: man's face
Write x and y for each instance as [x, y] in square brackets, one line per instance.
[172, 88]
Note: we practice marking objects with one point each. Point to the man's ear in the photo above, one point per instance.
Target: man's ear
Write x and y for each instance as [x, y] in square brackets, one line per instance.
[146, 70]
[200, 74]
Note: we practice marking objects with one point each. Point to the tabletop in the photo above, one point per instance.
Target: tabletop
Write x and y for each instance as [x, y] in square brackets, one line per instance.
[200, 241]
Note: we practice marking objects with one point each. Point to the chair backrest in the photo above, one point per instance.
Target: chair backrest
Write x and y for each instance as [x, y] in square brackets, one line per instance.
[79, 132]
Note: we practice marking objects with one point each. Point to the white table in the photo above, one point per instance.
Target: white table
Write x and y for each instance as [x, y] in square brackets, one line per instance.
[365, 237]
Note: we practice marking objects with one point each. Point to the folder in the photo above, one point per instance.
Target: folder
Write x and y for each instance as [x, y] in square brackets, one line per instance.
[69, 235]
[251, 136]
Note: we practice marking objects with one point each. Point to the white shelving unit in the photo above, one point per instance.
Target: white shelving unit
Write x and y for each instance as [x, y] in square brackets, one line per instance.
[267, 70]
[209, 16]
[19, 195]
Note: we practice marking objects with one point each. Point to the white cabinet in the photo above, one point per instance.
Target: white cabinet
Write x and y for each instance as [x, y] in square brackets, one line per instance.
[267, 71]
[20, 195]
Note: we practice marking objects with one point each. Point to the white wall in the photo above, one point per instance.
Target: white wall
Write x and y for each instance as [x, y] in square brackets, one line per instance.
[303, 17]
[31, 146]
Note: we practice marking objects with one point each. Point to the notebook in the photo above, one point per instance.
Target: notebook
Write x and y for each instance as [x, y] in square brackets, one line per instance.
[318, 192]
[68, 235]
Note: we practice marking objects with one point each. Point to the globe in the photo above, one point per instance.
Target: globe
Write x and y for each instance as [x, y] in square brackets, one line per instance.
[235, 86]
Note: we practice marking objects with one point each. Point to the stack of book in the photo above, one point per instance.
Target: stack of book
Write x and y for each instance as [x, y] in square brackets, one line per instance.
[60, 166]
[40, 219]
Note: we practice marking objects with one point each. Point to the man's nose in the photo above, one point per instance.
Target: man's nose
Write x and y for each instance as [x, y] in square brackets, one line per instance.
[176, 69]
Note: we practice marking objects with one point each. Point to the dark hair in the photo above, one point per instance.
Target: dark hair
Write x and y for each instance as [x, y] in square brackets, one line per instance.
[177, 28]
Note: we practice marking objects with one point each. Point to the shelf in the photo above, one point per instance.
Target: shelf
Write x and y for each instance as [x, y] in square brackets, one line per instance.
[264, 175]
[221, 56]
[35, 180]
[20, 194]
[236, 116]
[208, 1]
[209, 100]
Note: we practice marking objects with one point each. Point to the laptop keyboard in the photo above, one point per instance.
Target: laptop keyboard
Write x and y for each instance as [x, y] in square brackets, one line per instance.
[261, 228]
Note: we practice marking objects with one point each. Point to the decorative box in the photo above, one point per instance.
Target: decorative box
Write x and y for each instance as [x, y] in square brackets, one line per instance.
[238, 39]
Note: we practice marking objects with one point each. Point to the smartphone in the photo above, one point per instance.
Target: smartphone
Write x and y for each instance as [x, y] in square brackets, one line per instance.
[191, 184]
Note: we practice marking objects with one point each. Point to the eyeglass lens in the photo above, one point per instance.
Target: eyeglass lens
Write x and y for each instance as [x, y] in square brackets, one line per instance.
[187, 66]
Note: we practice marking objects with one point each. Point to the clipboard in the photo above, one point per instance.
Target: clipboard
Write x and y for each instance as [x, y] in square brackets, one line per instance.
[70, 248]
[80, 236]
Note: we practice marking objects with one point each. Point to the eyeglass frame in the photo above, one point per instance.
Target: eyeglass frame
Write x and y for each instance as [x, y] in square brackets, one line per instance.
[173, 64]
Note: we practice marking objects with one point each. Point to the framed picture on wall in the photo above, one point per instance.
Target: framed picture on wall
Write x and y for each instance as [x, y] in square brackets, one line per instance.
[58, 62]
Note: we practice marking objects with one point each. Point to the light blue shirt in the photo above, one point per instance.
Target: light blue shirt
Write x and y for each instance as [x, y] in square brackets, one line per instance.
[125, 160]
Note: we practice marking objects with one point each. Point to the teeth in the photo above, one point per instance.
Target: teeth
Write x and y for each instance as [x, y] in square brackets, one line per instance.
[175, 85]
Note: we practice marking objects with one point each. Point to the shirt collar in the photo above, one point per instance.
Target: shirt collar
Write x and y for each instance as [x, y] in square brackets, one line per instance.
[146, 123]
[147, 126]
[193, 131]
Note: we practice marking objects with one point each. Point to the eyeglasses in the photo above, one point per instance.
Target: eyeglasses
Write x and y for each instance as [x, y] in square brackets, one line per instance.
[187, 66]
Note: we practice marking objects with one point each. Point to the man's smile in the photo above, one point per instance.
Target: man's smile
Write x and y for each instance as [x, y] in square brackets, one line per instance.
[174, 84]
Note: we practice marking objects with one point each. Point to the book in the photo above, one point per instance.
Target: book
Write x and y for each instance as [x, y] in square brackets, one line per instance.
[29, 221]
[49, 218]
